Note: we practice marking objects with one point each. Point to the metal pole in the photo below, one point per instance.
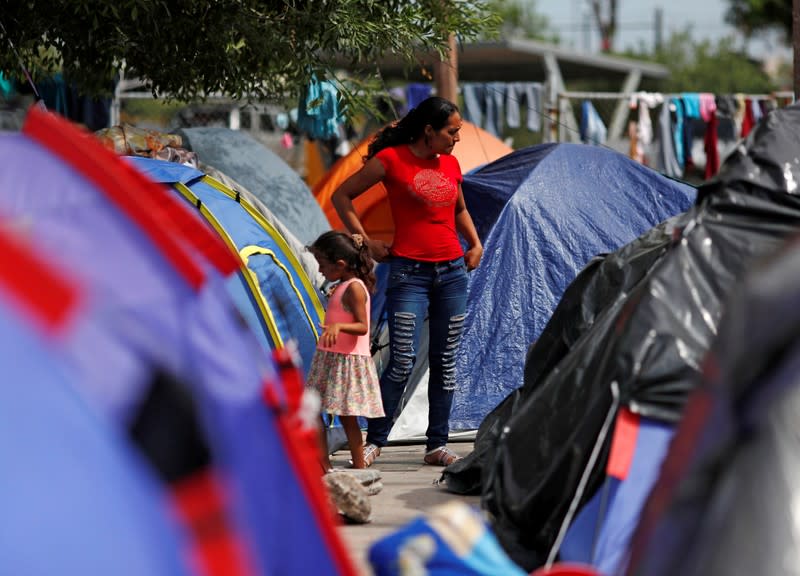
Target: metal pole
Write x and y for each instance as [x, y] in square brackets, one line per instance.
[796, 45]
[659, 28]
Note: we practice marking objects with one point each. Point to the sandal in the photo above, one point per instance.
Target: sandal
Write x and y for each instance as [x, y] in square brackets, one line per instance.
[441, 456]
[371, 452]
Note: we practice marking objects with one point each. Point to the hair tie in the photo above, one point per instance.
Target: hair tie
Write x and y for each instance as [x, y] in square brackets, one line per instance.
[358, 240]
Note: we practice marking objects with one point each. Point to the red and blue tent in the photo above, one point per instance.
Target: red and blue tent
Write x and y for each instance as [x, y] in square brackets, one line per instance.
[160, 317]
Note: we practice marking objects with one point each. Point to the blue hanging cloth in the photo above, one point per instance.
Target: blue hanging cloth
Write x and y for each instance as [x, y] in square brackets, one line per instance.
[318, 114]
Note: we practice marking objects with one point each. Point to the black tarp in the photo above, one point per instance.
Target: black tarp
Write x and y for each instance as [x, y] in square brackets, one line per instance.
[726, 504]
[643, 317]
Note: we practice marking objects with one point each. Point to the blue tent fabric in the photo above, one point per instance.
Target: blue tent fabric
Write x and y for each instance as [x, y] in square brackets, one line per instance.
[544, 212]
[601, 533]
[293, 306]
[66, 217]
[263, 173]
[143, 316]
[76, 498]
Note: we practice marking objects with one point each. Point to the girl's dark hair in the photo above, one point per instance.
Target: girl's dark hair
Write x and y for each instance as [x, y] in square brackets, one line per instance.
[435, 111]
[334, 245]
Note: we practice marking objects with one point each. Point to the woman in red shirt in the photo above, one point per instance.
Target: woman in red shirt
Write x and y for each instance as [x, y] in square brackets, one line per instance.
[428, 267]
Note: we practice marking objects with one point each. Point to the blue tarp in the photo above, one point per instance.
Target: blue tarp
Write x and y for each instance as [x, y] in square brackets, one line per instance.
[543, 212]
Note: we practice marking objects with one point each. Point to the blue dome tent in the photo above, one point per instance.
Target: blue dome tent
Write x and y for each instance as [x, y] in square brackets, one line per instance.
[159, 312]
[543, 212]
[71, 485]
[272, 290]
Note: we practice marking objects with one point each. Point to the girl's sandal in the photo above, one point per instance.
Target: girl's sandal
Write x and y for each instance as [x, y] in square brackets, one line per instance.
[441, 456]
[371, 452]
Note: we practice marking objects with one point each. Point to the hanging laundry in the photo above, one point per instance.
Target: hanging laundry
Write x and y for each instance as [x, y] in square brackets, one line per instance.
[726, 112]
[474, 103]
[495, 95]
[677, 132]
[692, 123]
[592, 128]
[666, 161]
[708, 105]
[318, 114]
[633, 137]
[691, 103]
[529, 93]
[7, 89]
[755, 105]
[416, 93]
[644, 101]
[740, 111]
[749, 119]
[710, 145]
[767, 105]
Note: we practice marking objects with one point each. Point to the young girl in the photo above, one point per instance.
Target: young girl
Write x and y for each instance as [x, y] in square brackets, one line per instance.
[342, 370]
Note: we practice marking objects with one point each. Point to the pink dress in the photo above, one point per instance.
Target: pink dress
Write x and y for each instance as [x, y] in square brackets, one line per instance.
[344, 374]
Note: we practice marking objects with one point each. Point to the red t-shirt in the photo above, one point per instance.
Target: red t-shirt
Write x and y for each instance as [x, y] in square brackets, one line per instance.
[422, 196]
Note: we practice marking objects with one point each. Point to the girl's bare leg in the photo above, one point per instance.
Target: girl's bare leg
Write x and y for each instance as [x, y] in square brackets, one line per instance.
[324, 457]
[354, 440]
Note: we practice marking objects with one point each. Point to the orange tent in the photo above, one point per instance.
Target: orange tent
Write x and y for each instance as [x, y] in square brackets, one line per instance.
[475, 148]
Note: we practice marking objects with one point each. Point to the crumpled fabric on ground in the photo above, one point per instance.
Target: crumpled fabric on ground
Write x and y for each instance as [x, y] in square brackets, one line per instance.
[453, 539]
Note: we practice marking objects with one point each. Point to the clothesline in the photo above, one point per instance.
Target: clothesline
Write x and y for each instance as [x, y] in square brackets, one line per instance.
[617, 95]
[681, 119]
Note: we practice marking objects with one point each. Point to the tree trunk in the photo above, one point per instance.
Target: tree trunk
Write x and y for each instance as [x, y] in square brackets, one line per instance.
[445, 73]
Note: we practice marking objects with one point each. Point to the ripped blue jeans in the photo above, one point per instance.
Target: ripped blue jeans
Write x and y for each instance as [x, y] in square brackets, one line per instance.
[417, 289]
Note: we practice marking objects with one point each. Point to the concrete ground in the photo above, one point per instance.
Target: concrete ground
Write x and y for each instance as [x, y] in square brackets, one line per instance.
[409, 490]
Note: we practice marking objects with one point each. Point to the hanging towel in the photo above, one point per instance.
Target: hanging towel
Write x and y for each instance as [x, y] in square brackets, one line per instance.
[318, 114]
[592, 129]
[708, 105]
[691, 104]
[644, 137]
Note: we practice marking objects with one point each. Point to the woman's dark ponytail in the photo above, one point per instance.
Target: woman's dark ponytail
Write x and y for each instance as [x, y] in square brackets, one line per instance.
[435, 111]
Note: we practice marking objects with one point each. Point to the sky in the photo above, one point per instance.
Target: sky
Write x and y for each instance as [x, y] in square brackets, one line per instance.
[636, 22]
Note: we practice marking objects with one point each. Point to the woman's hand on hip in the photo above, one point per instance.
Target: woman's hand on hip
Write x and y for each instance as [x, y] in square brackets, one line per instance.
[472, 257]
[378, 249]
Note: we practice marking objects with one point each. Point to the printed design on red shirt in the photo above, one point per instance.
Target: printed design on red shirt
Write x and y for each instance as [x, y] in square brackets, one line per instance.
[434, 188]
